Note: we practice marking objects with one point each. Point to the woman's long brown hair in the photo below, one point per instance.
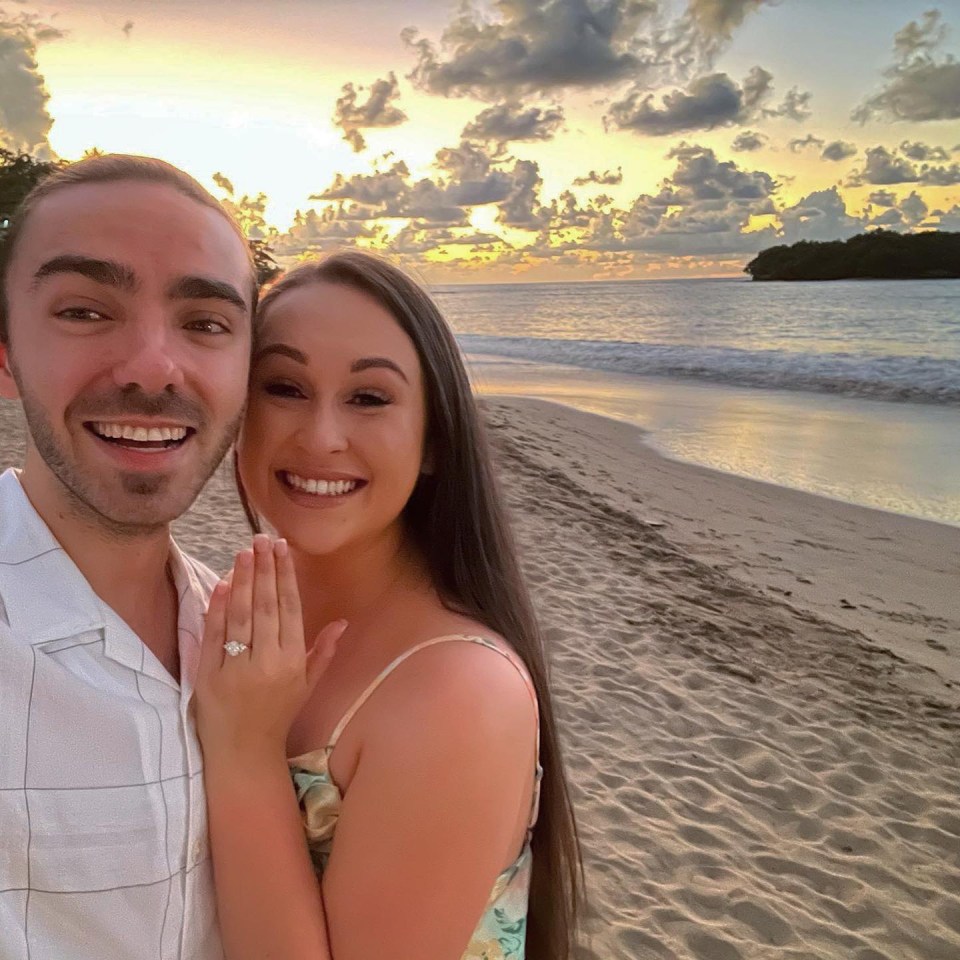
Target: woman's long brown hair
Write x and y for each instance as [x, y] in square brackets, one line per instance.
[457, 520]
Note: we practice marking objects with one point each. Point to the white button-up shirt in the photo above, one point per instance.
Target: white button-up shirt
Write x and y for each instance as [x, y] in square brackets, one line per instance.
[103, 824]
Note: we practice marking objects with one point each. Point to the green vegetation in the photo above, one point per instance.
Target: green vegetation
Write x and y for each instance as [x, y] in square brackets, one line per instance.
[20, 173]
[879, 255]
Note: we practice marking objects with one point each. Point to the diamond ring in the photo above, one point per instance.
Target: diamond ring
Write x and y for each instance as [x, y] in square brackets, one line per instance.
[234, 648]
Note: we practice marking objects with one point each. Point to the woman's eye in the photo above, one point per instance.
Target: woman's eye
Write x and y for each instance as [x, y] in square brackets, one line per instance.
[366, 398]
[278, 388]
[82, 315]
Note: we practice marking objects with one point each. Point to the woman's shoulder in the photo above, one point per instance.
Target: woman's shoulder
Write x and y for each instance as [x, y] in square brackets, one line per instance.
[469, 671]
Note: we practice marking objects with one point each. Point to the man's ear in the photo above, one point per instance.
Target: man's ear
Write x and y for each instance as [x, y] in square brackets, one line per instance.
[8, 386]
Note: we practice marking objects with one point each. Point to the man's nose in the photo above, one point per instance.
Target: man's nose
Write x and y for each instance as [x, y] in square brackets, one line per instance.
[149, 360]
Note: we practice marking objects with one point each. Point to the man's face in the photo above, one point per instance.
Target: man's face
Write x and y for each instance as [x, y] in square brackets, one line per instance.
[129, 343]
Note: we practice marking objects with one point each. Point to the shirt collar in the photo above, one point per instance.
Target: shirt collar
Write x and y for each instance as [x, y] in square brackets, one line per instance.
[46, 597]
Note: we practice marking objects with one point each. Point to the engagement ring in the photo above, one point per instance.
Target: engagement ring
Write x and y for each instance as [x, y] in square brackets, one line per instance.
[234, 648]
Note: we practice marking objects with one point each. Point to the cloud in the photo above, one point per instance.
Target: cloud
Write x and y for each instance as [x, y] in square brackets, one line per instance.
[921, 151]
[468, 176]
[512, 121]
[378, 110]
[919, 86]
[914, 208]
[839, 150]
[884, 167]
[801, 143]
[609, 178]
[708, 102]
[943, 176]
[748, 140]
[534, 46]
[127, 28]
[821, 215]
[24, 119]
[883, 198]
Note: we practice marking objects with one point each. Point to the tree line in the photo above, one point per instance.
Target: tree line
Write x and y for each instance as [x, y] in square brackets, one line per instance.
[880, 254]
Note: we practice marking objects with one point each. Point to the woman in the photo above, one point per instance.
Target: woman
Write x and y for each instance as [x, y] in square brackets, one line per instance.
[417, 745]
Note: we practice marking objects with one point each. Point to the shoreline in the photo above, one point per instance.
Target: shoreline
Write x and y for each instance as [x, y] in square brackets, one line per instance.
[902, 459]
[865, 570]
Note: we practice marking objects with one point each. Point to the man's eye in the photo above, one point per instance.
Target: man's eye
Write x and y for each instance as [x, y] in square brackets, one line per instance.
[207, 325]
[82, 315]
[366, 398]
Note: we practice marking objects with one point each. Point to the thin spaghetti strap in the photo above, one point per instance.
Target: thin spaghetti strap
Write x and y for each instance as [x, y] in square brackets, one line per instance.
[362, 699]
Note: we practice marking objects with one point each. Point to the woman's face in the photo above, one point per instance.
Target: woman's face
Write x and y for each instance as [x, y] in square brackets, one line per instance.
[333, 441]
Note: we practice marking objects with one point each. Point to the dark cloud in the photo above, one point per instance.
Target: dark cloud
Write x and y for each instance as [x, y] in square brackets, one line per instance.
[747, 141]
[708, 102]
[883, 198]
[468, 176]
[884, 167]
[942, 176]
[535, 45]
[609, 178]
[510, 121]
[919, 86]
[839, 150]
[914, 208]
[378, 110]
[795, 106]
[801, 143]
[24, 119]
[922, 151]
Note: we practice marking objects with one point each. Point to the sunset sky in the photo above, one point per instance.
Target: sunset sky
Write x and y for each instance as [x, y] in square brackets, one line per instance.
[518, 139]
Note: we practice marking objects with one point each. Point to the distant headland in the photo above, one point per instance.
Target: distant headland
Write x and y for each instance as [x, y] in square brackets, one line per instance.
[879, 255]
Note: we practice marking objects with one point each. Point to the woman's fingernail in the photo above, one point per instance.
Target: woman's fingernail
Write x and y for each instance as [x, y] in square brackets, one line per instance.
[280, 548]
[221, 587]
[261, 543]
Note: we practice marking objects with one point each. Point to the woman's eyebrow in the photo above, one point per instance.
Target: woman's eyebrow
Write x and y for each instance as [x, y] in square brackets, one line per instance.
[366, 363]
[281, 350]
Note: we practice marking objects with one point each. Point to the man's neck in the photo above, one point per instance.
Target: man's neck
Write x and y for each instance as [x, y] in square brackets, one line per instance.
[129, 573]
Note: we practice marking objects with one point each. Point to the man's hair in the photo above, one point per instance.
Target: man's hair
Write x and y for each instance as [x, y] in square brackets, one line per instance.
[108, 168]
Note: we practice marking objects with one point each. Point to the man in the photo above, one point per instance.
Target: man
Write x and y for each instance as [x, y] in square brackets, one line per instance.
[125, 328]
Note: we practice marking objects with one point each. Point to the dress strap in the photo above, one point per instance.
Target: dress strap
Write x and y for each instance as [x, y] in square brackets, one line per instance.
[482, 641]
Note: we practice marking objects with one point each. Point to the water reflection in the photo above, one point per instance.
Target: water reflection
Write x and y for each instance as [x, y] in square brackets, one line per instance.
[894, 456]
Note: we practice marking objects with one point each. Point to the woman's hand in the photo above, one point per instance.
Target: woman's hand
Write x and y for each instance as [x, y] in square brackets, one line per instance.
[247, 703]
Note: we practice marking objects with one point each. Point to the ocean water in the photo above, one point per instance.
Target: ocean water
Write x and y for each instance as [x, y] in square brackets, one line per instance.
[848, 389]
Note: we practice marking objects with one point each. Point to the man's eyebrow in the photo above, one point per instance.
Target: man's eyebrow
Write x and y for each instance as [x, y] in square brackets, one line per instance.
[108, 272]
[281, 350]
[366, 363]
[203, 288]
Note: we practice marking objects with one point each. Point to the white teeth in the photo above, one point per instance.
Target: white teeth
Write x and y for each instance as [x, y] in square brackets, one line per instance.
[119, 431]
[323, 488]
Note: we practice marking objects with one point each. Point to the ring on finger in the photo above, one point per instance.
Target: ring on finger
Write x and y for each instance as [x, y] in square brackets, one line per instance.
[234, 648]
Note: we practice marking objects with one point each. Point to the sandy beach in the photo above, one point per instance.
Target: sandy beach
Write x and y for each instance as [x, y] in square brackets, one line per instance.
[759, 692]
